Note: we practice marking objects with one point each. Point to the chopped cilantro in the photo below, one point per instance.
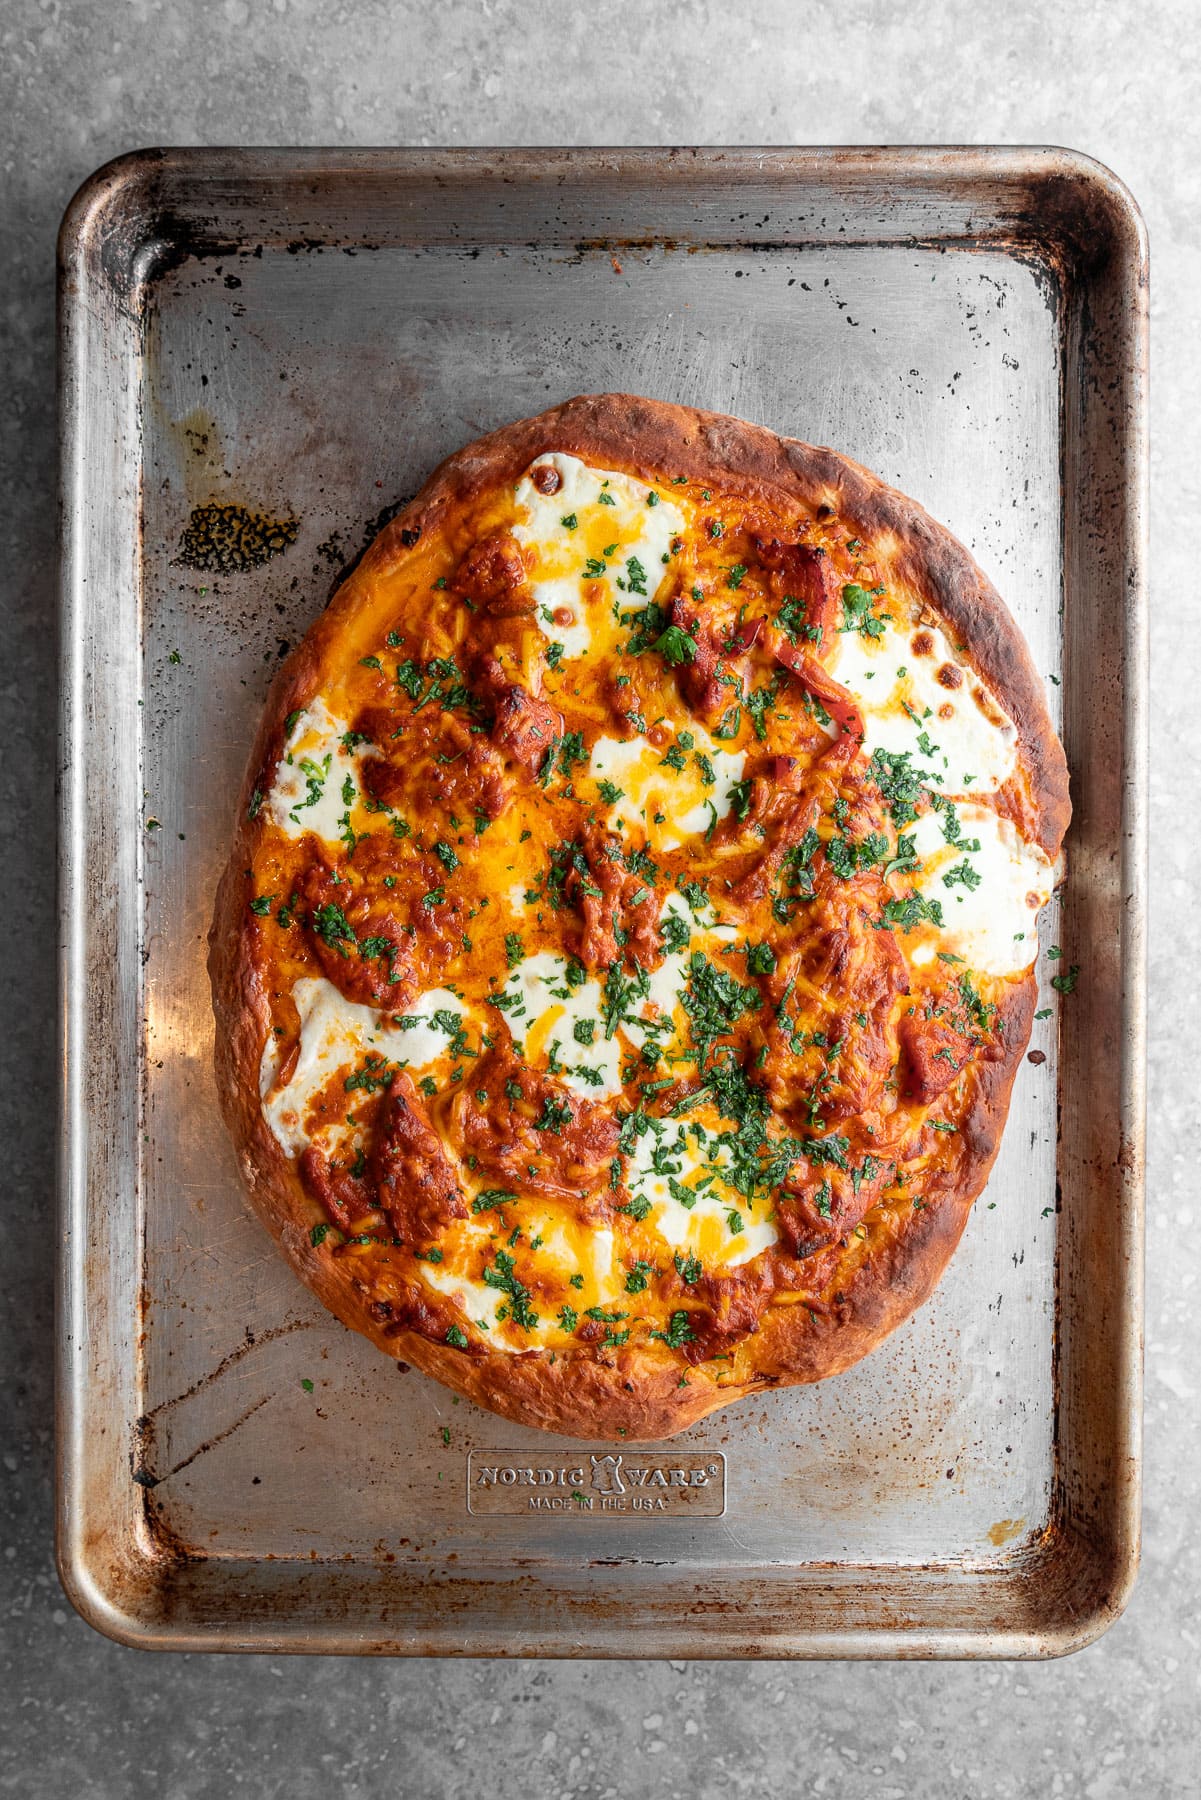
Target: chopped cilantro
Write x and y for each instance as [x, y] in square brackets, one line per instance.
[621, 991]
[739, 796]
[964, 874]
[678, 1333]
[791, 620]
[759, 703]
[491, 1199]
[714, 1002]
[676, 646]
[911, 911]
[675, 932]
[857, 611]
[760, 959]
[981, 1012]
[502, 1276]
[899, 782]
[333, 927]
[829, 1151]
[554, 1115]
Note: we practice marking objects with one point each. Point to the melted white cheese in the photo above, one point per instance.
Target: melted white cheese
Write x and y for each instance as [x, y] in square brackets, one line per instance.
[544, 1012]
[590, 1254]
[993, 925]
[478, 1300]
[620, 541]
[971, 743]
[335, 1035]
[310, 792]
[704, 1229]
[668, 804]
[666, 984]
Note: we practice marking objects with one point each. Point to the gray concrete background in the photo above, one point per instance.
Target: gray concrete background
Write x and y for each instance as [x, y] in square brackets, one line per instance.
[81, 80]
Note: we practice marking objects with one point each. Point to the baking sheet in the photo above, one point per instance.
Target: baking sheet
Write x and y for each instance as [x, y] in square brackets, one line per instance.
[303, 336]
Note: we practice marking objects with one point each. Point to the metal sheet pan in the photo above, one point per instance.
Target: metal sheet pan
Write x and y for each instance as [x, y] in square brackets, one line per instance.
[304, 334]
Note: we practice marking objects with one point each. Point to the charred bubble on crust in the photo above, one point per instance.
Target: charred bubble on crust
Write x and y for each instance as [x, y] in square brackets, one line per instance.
[228, 539]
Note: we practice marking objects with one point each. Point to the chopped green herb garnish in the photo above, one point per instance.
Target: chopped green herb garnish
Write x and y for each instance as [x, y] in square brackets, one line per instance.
[678, 1333]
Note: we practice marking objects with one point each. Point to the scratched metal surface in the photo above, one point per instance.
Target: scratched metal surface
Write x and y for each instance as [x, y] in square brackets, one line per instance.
[323, 380]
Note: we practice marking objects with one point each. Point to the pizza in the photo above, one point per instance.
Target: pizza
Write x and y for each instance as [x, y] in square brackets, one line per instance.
[626, 949]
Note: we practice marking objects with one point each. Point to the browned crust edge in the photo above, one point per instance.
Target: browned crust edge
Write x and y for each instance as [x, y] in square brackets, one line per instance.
[636, 1394]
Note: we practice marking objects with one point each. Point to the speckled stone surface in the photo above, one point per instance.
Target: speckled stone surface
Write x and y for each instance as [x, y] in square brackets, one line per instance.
[81, 80]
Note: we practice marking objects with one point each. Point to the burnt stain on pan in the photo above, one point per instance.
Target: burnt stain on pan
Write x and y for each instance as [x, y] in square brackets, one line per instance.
[224, 538]
[146, 1478]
